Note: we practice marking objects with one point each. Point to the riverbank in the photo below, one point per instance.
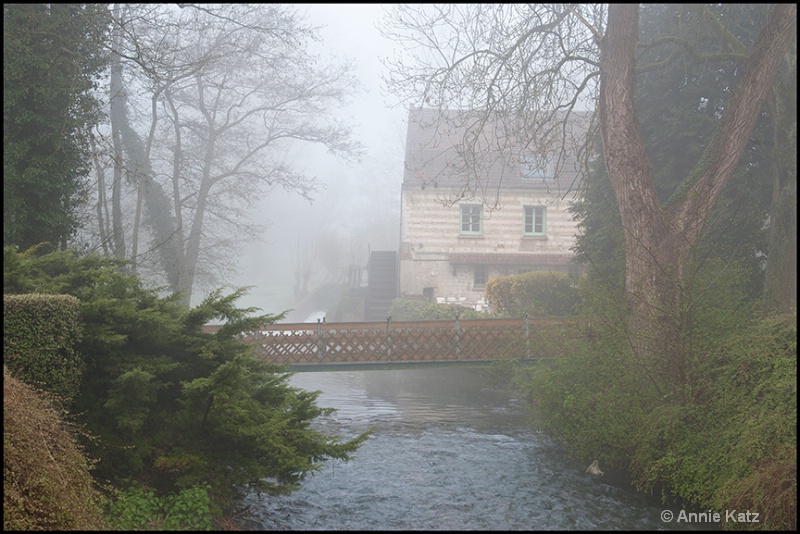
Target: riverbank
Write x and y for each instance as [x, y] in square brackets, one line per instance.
[728, 442]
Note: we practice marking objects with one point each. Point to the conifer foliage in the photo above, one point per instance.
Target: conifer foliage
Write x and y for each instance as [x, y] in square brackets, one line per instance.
[170, 406]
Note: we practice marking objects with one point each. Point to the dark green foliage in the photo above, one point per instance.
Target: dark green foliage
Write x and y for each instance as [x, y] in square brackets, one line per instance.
[533, 294]
[421, 310]
[171, 406]
[140, 509]
[730, 439]
[40, 333]
[734, 446]
[680, 103]
[600, 244]
[679, 106]
[52, 55]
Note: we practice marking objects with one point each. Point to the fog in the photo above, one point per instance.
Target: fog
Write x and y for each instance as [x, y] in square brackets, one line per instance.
[358, 203]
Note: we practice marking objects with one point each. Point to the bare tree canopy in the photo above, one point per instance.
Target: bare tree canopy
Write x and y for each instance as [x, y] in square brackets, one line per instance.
[509, 75]
[223, 94]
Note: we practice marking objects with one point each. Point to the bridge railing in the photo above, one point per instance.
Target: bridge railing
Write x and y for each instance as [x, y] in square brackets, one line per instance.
[405, 341]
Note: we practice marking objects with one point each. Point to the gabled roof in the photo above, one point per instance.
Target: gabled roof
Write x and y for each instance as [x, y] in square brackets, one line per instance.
[459, 152]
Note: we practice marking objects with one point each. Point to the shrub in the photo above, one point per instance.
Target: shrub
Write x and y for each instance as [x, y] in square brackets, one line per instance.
[141, 509]
[171, 406]
[39, 337]
[535, 294]
[734, 446]
[729, 443]
[422, 310]
[593, 400]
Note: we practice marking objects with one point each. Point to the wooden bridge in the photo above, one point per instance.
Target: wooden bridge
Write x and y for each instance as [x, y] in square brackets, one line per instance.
[303, 346]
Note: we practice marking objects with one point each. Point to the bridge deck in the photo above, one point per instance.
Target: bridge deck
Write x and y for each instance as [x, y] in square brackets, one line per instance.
[407, 342]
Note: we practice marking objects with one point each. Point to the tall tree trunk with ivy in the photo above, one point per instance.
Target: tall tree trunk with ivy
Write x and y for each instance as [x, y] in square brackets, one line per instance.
[659, 239]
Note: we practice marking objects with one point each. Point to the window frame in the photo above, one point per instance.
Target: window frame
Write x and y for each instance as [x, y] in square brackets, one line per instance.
[467, 211]
[536, 166]
[480, 268]
[533, 216]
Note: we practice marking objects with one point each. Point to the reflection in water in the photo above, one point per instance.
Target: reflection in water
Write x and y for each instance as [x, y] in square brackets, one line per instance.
[449, 452]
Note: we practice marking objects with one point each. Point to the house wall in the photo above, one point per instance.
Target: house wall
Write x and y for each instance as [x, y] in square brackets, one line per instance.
[436, 259]
[430, 236]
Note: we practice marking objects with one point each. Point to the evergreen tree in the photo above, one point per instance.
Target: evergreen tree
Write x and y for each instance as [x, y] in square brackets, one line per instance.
[172, 407]
[52, 55]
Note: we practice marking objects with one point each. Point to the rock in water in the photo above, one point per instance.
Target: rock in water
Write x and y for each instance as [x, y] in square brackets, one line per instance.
[594, 469]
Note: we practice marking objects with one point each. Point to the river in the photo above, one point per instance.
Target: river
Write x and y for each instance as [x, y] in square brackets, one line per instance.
[451, 451]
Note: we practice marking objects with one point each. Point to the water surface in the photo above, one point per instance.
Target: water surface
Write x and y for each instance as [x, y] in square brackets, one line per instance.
[451, 451]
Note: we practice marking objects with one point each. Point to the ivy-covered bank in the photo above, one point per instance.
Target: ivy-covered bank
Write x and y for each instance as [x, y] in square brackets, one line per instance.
[728, 443]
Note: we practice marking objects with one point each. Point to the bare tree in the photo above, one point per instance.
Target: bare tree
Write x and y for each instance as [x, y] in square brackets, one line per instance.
[511, 76]
[304, 262]
[535, 61]
[230, 89]
[660, 239]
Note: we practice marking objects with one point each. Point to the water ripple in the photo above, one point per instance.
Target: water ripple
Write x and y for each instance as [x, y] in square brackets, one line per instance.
[448, 454]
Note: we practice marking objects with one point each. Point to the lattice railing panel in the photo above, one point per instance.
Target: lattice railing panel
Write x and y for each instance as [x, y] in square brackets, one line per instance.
[493, 341]
[422, 342]
[292, 346]
[352, 345]
[418, 341]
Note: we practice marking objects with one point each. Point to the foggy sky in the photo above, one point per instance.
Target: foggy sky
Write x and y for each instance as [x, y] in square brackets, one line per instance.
[348, 191]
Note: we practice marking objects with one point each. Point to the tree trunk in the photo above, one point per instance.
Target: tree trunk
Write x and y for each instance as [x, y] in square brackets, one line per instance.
[780, 285]
[101, 206]
[117, 109]
[659, 240]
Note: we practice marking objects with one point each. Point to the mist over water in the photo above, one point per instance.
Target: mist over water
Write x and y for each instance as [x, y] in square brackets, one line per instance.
[450, 451]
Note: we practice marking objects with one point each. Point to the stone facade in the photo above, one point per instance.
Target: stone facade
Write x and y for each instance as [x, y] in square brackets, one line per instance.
[453, 241]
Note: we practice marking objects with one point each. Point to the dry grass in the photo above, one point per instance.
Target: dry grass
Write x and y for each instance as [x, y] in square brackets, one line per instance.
[46, 480]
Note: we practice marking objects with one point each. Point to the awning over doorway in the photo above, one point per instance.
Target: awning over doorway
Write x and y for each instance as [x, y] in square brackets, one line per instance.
[508, 258]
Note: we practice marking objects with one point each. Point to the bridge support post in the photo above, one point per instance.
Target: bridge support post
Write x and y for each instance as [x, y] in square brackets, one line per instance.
[527, 337]
[388, 338]
[458, 339]
[322, 347]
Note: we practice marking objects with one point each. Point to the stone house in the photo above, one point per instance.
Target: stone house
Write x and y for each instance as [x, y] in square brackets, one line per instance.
[492, 208]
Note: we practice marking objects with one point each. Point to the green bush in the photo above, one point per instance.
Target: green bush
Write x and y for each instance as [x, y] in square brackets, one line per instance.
[735, 443]
[724, 439]
[422, 310]
[535, 294]
[172, 407]
[142, 509]
[727, 441]
[40, 333]
[592, 401]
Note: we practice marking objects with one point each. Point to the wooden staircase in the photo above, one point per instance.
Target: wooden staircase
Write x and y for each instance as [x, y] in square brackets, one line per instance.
[381, 284]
